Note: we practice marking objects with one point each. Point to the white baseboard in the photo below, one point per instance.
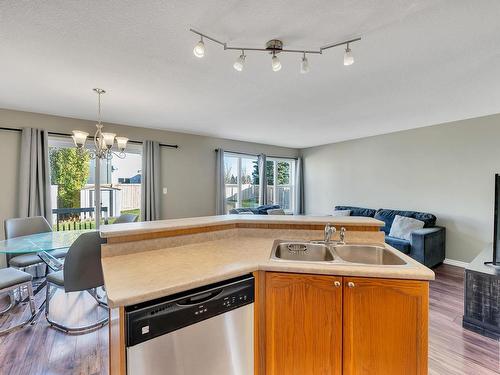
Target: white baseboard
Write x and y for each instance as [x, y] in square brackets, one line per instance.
[456, 263]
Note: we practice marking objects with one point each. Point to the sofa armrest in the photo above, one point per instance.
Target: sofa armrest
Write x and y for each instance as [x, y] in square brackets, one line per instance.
[428, 245]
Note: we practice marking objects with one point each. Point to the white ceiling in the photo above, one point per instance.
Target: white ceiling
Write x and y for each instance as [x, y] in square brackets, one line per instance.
[419, 63]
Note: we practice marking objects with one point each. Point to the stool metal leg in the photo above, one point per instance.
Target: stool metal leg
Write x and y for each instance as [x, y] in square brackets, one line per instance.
[31, 298]
[12, 302]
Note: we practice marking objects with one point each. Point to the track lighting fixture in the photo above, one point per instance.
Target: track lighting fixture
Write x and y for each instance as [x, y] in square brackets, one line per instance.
[348, 58]
[240, 62]
[304, 65]
[199, 48]
[275, 63]
[274, 47]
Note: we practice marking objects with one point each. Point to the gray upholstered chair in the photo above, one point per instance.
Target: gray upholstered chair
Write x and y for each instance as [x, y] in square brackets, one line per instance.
[10, 280]
[19, 227]
[126, 218]
[82, 271]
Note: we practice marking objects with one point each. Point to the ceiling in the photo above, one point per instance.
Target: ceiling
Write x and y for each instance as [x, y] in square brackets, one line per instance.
[419, 63]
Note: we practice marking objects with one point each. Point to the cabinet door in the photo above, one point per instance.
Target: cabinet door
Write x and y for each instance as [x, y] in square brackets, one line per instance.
[303, 324]
[385, 326]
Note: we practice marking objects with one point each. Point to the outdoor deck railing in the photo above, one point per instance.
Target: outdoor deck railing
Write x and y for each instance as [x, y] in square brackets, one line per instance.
[77, 218]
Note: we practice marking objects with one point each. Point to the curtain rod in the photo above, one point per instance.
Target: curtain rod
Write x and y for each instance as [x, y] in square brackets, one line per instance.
[69, 135]
[250, 154]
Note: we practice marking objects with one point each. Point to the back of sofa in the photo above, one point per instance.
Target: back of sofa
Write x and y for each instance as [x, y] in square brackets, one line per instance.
[387, 216]
[261, 210]
[357, 211]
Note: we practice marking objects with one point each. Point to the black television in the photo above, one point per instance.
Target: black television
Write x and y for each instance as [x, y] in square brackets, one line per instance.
[496, 225]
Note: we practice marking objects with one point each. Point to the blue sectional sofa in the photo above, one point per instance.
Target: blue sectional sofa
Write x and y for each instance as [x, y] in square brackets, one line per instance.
[427, 245]
[261, 210]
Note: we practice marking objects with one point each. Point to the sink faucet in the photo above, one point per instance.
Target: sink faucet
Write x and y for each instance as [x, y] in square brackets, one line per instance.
[329, 230]
[342, 236]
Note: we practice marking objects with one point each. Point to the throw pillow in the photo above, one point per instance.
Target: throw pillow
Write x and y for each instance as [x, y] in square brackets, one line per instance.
[341, 213]
[403, 226]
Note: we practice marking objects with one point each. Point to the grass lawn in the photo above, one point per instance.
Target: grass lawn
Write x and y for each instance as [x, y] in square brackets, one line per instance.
[90, 224]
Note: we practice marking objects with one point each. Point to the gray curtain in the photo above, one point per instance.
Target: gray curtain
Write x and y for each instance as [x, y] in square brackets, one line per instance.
[220, 204]
[150, 181]
[34, 175]
[262, 179]
[299, 188]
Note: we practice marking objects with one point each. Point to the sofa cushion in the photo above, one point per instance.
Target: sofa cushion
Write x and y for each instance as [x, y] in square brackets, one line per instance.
[357, 211]
[402, 245]
[387, 216]
[262, 210]
[237, 211]
[276, 211]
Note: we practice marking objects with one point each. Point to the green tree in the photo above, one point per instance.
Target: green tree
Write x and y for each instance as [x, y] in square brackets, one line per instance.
[70, 171]
[283, 171]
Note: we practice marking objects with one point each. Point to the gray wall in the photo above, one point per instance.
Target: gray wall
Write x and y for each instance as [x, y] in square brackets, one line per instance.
[188, 172]
[446, 169]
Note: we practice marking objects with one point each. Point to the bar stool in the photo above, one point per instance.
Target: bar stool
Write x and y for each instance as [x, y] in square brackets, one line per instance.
[10, 280]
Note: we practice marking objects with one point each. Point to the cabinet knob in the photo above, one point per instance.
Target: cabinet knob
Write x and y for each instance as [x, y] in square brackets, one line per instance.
[350, 284]
[337, 284]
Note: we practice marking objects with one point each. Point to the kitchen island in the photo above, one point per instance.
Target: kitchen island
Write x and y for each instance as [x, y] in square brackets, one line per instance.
[147, 261]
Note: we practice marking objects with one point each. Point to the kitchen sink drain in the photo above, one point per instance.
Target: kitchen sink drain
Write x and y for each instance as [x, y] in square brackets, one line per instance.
[296, 247]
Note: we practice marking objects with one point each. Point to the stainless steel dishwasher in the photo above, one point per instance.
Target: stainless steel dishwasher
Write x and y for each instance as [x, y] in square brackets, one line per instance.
[207, 330]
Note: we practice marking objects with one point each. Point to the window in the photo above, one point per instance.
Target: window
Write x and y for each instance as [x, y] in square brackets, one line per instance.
[73, 185]
[281, 182]
[241, 178]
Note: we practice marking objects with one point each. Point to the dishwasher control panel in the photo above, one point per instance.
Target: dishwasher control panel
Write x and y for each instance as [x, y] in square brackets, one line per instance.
[154, 318]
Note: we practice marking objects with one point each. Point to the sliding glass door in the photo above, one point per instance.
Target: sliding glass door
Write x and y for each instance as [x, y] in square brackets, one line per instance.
[79, 183]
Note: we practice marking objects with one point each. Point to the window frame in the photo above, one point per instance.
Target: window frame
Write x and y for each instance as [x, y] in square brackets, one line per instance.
[275, 160]
[238, 157]
[291, 180]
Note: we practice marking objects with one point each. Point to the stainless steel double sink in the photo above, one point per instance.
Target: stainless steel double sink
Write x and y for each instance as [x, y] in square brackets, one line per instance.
[320, 252]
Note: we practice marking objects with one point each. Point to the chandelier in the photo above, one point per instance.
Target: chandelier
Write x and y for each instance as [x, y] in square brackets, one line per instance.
[274, 47]
[103, 142]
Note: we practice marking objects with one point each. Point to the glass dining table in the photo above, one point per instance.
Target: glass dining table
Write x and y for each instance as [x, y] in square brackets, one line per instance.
[41, 244]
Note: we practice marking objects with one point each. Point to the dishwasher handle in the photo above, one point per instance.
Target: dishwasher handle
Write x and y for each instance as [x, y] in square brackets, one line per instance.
[199, 298]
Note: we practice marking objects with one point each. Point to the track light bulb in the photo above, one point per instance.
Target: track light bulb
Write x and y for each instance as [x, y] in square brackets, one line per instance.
[275, 63]
[304, 65]
[348, 58]
[199, 49]
[240, 62]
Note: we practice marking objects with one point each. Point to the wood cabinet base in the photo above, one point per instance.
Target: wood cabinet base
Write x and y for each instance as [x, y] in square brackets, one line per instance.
[310, 324]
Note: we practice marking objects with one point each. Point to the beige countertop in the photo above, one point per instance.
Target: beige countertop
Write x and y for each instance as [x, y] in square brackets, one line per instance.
[117, 230]
[146, 275]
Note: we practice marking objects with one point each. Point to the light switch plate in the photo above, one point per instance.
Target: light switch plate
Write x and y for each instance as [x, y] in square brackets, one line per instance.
[165, 191]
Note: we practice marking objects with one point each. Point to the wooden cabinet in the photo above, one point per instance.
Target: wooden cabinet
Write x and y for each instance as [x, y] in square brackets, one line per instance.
[385, 326]
[303, 324]
[311, 324]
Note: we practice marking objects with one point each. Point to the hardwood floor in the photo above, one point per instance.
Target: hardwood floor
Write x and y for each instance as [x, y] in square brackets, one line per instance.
[41, 350]
[452, 349]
